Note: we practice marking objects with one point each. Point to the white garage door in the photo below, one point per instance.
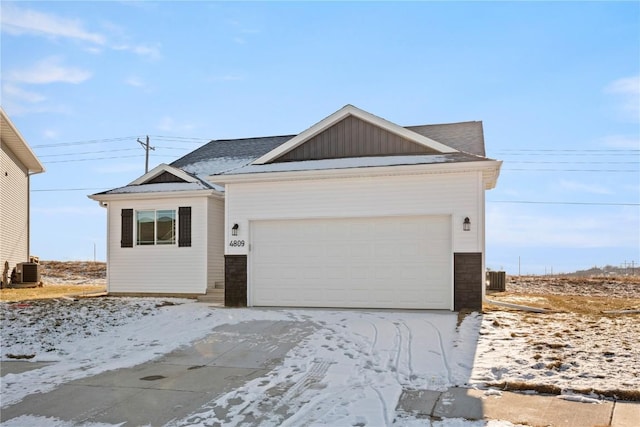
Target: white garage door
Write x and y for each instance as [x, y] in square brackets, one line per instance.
[391, 262]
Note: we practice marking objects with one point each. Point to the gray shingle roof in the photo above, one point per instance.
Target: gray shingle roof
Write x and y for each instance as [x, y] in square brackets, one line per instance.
[219, 156]
[226, 155]
[463, 136]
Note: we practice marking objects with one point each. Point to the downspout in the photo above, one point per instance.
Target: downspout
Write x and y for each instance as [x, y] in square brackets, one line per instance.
[105, 205]
[28, 216]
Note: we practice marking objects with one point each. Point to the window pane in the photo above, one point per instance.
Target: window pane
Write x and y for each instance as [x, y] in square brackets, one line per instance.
[145, 221]
[166, 227]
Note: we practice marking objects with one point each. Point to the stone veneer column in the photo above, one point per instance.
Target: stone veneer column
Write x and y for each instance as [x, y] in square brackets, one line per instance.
[235, 280]
[467, 281]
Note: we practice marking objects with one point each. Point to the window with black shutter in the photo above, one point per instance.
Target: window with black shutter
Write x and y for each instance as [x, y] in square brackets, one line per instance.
[184, 226]
[126, 238]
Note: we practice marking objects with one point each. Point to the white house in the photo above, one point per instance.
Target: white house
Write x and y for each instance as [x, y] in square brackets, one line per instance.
[17, 164]
[355, 211]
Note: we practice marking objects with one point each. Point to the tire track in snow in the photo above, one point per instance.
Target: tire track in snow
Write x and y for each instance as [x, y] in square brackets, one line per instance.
[375, 337]
[442, 353]
[409, 350]
[385, 412]
[399, 352]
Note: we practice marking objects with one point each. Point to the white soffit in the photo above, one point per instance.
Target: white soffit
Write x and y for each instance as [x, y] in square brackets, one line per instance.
[350, 110]
[15, 141]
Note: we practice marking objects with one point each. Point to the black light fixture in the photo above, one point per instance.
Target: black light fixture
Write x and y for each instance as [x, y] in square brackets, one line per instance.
[466, 224]
[234, 230]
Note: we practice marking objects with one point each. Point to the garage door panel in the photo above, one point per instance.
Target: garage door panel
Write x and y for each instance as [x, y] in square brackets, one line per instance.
[355, 262]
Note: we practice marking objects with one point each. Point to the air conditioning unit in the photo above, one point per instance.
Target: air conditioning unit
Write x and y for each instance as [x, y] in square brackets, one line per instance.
[28, 272]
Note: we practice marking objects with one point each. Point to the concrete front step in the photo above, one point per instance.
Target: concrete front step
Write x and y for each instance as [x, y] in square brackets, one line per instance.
[212, 296]
[216, 286]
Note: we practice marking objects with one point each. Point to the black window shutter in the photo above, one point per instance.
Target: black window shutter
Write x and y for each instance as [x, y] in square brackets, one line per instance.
[126, 240]
[184, 226]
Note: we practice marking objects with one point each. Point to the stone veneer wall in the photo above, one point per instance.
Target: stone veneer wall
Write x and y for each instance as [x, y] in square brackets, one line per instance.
[235, 280]
[467, 281]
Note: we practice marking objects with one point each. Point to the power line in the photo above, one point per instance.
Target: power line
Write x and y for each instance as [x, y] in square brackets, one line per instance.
[183, 139]
[599, 155]
[562, 203]
[100, 158]
[90, 141]
[569, 150]
[560, 162]
[70, 189]
[86, 152]
[571, 170]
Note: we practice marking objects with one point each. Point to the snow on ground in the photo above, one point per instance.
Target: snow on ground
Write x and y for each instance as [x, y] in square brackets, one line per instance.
[357, 361]
[567, 350]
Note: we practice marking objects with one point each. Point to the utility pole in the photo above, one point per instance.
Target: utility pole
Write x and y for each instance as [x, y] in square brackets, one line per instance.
[146, 149]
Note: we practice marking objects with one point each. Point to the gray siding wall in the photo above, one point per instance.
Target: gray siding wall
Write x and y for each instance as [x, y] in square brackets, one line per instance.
[353, 137]
[14, 210]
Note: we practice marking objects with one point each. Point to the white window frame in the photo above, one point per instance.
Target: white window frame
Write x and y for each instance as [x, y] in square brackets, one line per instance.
[156, 242]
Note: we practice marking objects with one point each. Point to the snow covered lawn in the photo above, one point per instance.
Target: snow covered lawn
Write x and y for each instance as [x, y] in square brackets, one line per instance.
[556, 352]
[358, 361]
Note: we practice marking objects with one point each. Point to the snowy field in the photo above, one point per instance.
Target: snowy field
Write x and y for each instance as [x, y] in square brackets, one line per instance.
[364, 358]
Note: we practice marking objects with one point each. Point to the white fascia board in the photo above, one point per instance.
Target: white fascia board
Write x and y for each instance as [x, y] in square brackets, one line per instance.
[350, 110]
[490, 176]
[162, 167]
[490, 169]
[160, 195]
[12, 137]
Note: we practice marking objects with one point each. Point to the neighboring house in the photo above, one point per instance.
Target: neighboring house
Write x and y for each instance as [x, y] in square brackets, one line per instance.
[355, 211]
[18, 163]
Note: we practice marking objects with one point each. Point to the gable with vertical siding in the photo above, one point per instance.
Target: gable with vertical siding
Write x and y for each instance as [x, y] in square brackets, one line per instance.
[353, 137]
[164, 177]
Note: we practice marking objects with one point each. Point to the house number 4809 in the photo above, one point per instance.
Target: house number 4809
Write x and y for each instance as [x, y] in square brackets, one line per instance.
[236, 243]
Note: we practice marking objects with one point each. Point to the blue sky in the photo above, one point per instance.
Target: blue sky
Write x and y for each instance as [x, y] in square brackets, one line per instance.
[556, 84]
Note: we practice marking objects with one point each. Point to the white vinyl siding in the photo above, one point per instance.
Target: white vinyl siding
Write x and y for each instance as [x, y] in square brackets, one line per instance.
[458, 195]
[382, 200]
[158, 268]
[14, 210]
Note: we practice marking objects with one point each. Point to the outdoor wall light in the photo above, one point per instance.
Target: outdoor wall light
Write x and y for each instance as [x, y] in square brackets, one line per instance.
[466, 224]
[234, 230]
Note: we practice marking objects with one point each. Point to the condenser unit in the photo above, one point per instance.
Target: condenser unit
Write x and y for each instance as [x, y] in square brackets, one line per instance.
[28, 272]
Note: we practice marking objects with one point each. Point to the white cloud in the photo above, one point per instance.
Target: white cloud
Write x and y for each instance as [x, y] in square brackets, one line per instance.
[580, 227]
[18, 21]
[622, 141]
[121, 168]
[21, 21]
[152, 52]
[583, 187]
[134, 81]
[18, 94]
[49, 70]
[628, 89]
[50, 134]
[168, 124]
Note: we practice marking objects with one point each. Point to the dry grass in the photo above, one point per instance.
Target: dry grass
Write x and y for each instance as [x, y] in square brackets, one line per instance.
[582, 295]
[48, 292]
[567, 303]
[629, 395]
[61, 278]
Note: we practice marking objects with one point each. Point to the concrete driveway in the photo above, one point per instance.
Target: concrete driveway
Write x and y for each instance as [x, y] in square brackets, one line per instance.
[173, 386]
[315, 367]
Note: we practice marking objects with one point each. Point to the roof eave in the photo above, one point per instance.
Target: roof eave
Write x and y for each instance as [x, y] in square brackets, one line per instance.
[18, 145]
[490, 169]
[100, 197]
